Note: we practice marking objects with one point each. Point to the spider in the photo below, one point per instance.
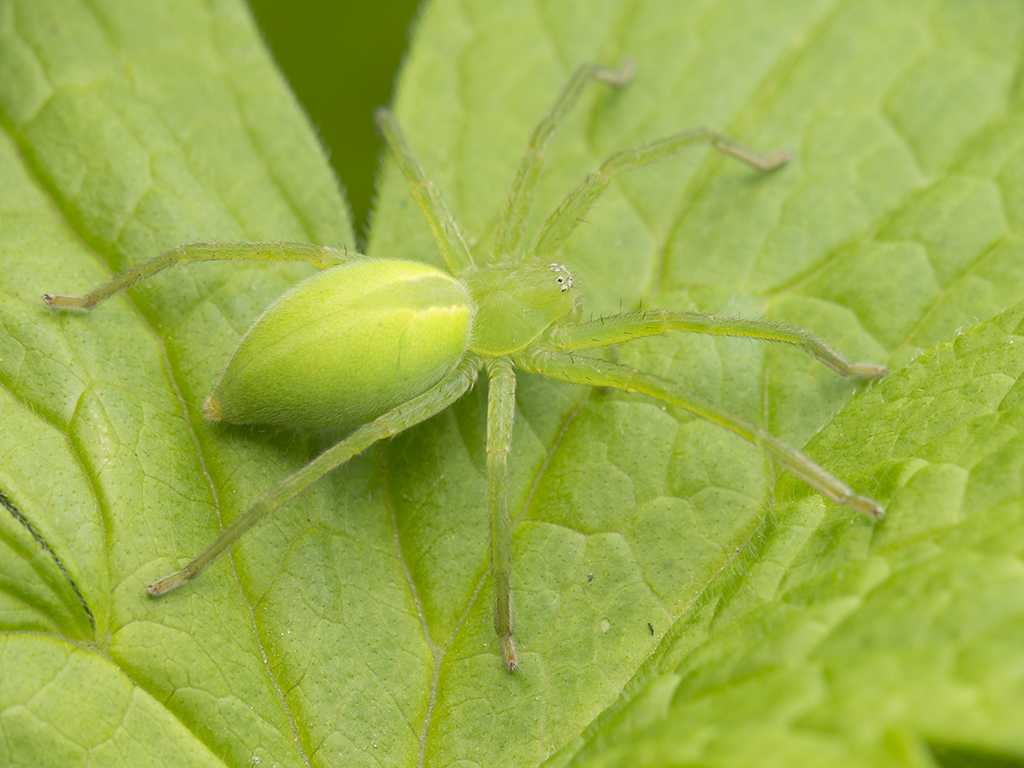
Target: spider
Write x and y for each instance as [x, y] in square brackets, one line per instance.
[372, 347]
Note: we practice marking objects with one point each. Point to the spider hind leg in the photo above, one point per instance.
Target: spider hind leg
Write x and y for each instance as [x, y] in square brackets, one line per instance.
[577, 369]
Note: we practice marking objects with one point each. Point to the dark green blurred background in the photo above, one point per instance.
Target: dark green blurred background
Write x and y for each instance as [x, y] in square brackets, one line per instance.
[341, 58]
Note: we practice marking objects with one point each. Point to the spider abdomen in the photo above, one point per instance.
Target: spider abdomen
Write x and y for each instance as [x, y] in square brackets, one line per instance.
[345, 346]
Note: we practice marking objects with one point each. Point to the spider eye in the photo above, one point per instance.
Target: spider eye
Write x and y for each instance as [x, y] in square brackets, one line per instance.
[563, 277]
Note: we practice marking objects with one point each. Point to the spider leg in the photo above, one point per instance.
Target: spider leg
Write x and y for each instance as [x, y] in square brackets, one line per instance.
[501, 409]
[404, 416]
[601, 373]
[321, 256]
[442, 223]
[513, 220]
[574, 208]
[627, 326]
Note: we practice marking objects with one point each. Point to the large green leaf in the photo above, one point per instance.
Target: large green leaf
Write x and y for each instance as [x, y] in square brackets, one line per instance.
[680, 600]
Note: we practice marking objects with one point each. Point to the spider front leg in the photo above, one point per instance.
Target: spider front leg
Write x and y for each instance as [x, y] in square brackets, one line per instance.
[443, 225]
[601, 373]
[627, 326]
[513, 220]
[321, 256]
[399, 419]
[501, 409]
[573, 209]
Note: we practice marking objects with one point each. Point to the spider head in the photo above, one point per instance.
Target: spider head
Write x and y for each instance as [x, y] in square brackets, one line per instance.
[516, 303]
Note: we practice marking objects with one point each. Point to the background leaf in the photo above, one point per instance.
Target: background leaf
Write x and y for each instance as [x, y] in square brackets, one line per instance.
[680, 601]
[340, 60]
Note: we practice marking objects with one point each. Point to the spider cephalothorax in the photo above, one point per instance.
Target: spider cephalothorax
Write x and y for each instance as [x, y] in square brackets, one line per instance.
[374, 347]
[516, 304]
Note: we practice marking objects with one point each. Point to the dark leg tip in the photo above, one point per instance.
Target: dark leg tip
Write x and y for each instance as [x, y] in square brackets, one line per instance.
[211, 409]
[169, 583]
[866, 506]
[617, 78]
[778, 159]
[509, 653]
[869, 371]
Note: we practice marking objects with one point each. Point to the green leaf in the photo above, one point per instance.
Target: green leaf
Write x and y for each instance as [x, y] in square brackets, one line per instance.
[128, 128]
[680, 600]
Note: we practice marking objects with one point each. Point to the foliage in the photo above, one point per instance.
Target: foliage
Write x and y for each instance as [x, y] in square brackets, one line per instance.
[680, 600]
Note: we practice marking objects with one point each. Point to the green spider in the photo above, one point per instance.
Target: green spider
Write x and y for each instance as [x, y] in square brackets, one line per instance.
[373, 347]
